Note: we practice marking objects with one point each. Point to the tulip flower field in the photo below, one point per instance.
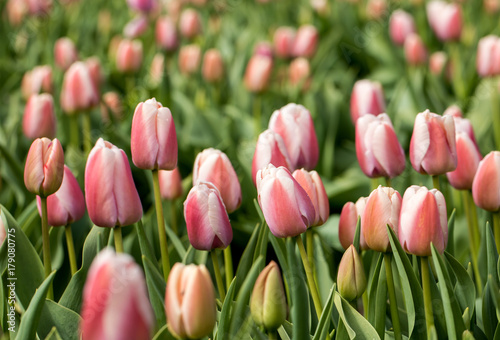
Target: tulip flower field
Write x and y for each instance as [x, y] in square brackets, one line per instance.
[259, 169]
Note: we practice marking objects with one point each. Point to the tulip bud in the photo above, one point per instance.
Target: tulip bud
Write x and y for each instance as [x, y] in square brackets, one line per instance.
[305, 42]
[376, 9]
[348, 221]
[39, 7]
[207, 223]
[136, 27]
[295, 125]
[486, 185]
[153, 138]
[67, 204]
[94, 67]
[287, 208]
[142, 5]
[166, 33]
[112, 102]
[488, 54]
[491, 6]
[214, 166]
[437, 62]
[189, 59]
[39, 118]
[110, 193]
[170, 184]
[37, 80]
[313, 185]
[445, 19]
[16, 11]
[115, 300]
[367, 98]
[44, 170]
[283, 41]
[190, 302]
[190, 23]
[377, 147]
[78, 91]
[268, 301]
[415, 51]
[432, 145]
[213, 66]
[351, 277]
[299, 72]
[401, 25]
[65, 53]
[129, 56]
[258, 73]
[422, 221]
[263, 48]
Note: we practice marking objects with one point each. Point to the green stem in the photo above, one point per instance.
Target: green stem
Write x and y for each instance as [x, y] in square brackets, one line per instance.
[74, 131]
[495, 107]
[117, 234]
[271, 335]
[310, 249]
[392, 297]
[474, 242]
[496, 228]
[426, 285]
[47, 265]
[87, 138]
[257, 113]
[458, 83]
[228, 263]
[71, 249]
[310, 278]
[162, 234]
[173, 217]
[218, 276]
[375, 184]
[435, 182]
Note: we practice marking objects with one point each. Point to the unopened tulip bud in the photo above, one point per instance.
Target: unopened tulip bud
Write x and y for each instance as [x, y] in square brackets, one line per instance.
[486, 185]
[438, 62]
[375, 9]
[94, 67]
[299, 72]
[349, 216]
[190, 23]
[313, 185]
[44, 170]
[491, 6]
[170, 184]
[65, 53]
[488, 55]
[268, 301]
[129, 56]
[445, 19]
[283, 41]
[111, 103]
[16, 11]
[213, 66]
[39, 118]
[305, 42]
[415, 50]
[401, 25]
[37, 80]
[135, 27]
[263, 48]
[367, 98]
[189, 59]
[190, 302]
[78, 92]
[258, 73]
[166, 34]
[351, 277]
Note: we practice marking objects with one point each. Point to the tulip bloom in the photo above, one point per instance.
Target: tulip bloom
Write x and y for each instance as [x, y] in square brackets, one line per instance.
[153, 137]
[170, 184]
[136, 27]
[213, 66]
[39, 118]
[415, 50]
[437, 63]
[189, 59]
[166, 34]
[299, 72]
[78, 92]
[305, 42]
[258, 72]
[445, 19]
[115, 300]
[401, 25]
[348, 221]
[263, 48]
[367, 98]
[44, 170]
[283, 41]
[382, 208]
[94, 67]
[206, 218]
[190, 23]
[37, 80]
[287, 208]
[129, 56]
[65, 53]
[423, 220]
[351, 277]
[486, 185]
[214, 166]
[313, 185]
[488, 56]
[190, 302]
[110, 193]
[295, 125]
[377, 147]
[112, 102]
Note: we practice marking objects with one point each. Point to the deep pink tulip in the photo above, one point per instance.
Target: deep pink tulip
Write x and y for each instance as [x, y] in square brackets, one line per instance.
[39, 79]
[283, 41]
[295, 125]
[78, 92]
[415, 50]
[348, 221]
[488, 56]
[383, 207]
[486, 185]
[44, 169]
[432, 147]
[166, 34]
[313, 185]
[214, 166]
[423, 220]
[170, 184]
[190, 23]
[401, 25]
[287, 208]
[445, 19]
[213, 66]
[305, 42]
[110, 193]
[299, 72]
[136, 27]
[367, 97]
[129, 56]
[39, 119]
[153, 138]
[377, 147]
[207, 223]
[258, 73]
[142, 5]
[67, 204]
[270, 149]
[115, 300]
[189, 59]
[65, 53]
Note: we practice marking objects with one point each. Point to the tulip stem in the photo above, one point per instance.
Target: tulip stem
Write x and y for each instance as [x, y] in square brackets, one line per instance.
[162, 234]
[457, 81]
[75, 131]
[473, 235]
[435, 182]
[392, 297]
[310, 249]
[228, 263]
[87, 138]
[495, 107]
[496, 228]
[173, 217]
[218, 276]
[310, 278]
[71, 249]
[388, 182]
[257, 113]
[117, 234]
[271, 335]
[47, 265]
[426, 286]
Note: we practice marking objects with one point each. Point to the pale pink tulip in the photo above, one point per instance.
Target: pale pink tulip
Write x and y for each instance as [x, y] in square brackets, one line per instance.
[39, 119]
[349, 216]
[305, 42]
[445, 19]
[313, 185]
[189, 59]
[170, 184]
[190, 23]
[39, 79]
[213, 66]
[166, 34]
[136, 27]
[79, 92]
[258, 73]
[486, 185]
[65, 53]
[367, 97]
[415, 50]
[284, 38]
[129, 56]
[401, 25]
[488, 56]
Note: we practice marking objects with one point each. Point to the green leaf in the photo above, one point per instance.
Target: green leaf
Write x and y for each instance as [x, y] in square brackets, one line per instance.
[65, 320]
[380, 301]
[174, 239]
[247, 259]
[282, 331]
[495, 294]
[465, 290]
[356, 325]
[324, 320]
[223, 327]
[451, 228]
[53, 335]
[492, 254]
[488, 313]
[144, 244]
[163, 334]
[357, 236]
[156, 290]
[323, 277]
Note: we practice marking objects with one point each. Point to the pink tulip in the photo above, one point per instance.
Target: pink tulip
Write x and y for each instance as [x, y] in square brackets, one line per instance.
[39, 8]
[206, 218]
[44, 169]
[486, 185]
[263, 48]
[305, 42]
[445, 19]
[367, 98]
[111, 102]
[190, 302]
[313, 185]
[377, 147]
[284, 38]
[299, 72]
[432, 146]
[39, 118]
[94, 67]
[422, 221]
[115, 300]
[189, 59]
[213, 66]
[488, 56]
[214, 166]
[166, 34]
[136, 27]
[438, 62]
[153, 138]
[348, 221]
[129, 56]
[67, 204]
[190, 23]
[78, 91]
[170, 184]
[295, 125]
[16, 11]
[287, 208]
[401, 25]
[415, 50]
[142, 5]
[376, 9]
[157, 70]
[37, 80]
[110, 193]
[258, 72]
[65, 53]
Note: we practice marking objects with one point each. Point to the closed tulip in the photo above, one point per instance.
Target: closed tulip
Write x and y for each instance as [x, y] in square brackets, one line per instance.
[432, 145]
[401, 25]
[263, 48]
[415, 50]
[258, 72]
[115, 300]
[287, 208]
[349, 216]
[214, 166]
[94, 67]
[422, 221]
[295, 125]
[313, 185]
[486, 185]
[39, 79]
[305, 42]
[111, 103]
[299, 72]
[445, 19]
[438, 63]
[189, 59]
[351, 277]
[39, 118]
[136, 27]
[16, 12]
[206, 218]
[190, 302]
[170, 184]
[166, 34]
[65, 53]
[213, 66]
[153, 137]
[283, 41]
[129, 56]
[44, 169]
[79, 92]
[488, 56]
[367, 97]
[190, 23]
[110, 192]
[377, 147]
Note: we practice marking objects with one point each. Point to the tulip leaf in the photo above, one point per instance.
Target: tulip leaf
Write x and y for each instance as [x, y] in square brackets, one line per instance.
[451, 231]
[29, 321]
[261, 248]
[378, 303]
[357, 236]
[163, 334]
[488, 313]
[324, 320]
[356, 325]
[174, 239]
[156, 290]
[492, 253]
[247, 257]
[223, 327]
[495, 294]
[53, 335]
[323, 277]
[465, 290]
[279, 247]
[144, 244]
[283, 332]
[65, 320]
